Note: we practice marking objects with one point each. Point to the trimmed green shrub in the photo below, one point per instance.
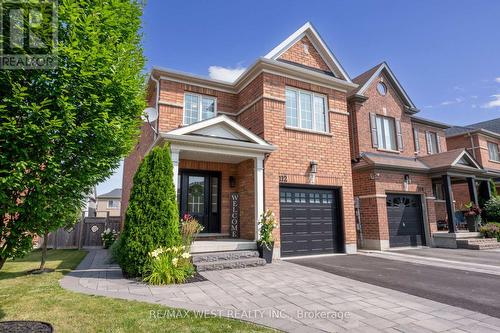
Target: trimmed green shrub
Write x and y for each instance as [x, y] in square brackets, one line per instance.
[115, 250]
[491, 230]
[492, 209]
[493, 186]
[152, 217]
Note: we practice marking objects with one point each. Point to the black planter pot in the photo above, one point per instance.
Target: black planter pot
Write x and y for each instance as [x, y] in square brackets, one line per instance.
[472, 223]
[266, 252]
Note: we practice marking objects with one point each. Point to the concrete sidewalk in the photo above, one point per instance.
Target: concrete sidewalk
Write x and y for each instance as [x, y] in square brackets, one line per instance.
[287, 297]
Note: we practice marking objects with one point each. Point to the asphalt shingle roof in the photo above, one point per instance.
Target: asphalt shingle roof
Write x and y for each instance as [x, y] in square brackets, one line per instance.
[116, 193]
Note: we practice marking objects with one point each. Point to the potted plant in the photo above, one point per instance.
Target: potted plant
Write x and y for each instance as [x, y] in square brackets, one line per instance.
[108, 237]
[472, 214]
[265, 244]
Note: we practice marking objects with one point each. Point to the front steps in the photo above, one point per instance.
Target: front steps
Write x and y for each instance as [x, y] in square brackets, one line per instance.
[212, 261]
[478, 244]
[464, 240]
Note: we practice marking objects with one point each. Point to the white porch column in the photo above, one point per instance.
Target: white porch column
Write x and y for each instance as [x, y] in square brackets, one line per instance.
[174, 153]
[259, 192]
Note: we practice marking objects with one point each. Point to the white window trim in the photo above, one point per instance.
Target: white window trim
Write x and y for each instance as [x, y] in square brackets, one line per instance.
[387, 149]
[111, 207]
[299, 113]
[200, 104]
[489, 152]
[429, 137]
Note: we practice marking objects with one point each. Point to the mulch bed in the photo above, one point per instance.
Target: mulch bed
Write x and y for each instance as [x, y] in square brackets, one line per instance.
[25, 327]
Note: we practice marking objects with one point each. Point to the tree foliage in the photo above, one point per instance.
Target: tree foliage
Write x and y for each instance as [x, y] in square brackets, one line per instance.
[64, 130]
[152, 218]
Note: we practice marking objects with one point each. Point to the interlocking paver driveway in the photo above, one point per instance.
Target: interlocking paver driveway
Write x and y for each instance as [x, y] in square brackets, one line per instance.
[287, 297]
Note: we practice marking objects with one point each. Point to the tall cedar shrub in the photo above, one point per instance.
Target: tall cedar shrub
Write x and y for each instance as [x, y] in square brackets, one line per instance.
[152, 217]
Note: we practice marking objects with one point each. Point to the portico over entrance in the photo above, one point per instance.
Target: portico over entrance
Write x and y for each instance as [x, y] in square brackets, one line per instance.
[219, 176]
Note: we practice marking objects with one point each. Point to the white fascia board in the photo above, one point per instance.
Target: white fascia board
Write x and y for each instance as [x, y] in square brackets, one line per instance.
[454, 164]
[217, 120]
[394, 79]
[220, 146]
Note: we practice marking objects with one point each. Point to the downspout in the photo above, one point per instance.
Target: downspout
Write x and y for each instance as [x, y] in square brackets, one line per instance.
[157, 99]
[472, 146]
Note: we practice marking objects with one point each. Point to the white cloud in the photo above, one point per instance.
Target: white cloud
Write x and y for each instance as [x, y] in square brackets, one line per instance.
[453, 101]
[225, 73]
[497, 79]
[495, 103]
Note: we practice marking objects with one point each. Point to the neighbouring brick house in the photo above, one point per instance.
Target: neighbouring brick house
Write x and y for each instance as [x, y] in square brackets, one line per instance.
[482, 141]
[292, 134]
[402, 166]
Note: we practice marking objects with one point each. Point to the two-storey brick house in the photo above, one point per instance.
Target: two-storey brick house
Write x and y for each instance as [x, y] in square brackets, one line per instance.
[295, 135]
[402, 167]
[276, 138]
[482, 141]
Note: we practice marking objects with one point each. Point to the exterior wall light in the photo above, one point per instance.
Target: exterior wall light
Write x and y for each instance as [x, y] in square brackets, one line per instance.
[313, 169]
[232, 181]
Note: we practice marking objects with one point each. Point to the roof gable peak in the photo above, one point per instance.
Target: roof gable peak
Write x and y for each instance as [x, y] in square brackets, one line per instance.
[308, 30]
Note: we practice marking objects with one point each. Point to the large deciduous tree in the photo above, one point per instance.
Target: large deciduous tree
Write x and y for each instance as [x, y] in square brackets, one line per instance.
[65, 129]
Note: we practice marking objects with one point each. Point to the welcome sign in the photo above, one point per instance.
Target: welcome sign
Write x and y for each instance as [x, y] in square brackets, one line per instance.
[234, 229]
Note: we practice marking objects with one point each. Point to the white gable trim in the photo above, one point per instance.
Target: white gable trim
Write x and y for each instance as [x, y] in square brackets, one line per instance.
[469, 157]
[394, 80]
[240, 130]
[323, 50]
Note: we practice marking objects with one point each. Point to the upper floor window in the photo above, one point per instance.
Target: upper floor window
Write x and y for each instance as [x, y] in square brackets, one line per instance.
[493, 152]
[113, 204]
[432, 142]
[305, 110]
[198, 108]
[386, 133]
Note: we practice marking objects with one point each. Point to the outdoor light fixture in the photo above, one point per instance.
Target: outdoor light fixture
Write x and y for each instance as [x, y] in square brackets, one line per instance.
[314, 166]
[232, 181]
[406, 182]
[313, 169]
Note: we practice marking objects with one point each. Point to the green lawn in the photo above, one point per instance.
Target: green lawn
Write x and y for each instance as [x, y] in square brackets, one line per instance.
[39, 297]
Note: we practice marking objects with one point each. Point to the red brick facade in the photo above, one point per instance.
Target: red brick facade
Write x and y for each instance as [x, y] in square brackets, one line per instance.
[372, 186]
[304, 53]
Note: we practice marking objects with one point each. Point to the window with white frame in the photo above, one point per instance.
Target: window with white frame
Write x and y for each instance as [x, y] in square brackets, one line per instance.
[432, 143]
[386, 133]
[305, 110]
[493, 152]
[198, 108]
[113, 203]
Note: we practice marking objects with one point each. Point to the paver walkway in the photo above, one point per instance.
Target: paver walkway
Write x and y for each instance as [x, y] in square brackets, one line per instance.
[285, 296]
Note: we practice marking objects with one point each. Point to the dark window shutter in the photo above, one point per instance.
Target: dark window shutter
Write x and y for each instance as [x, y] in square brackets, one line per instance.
[417, 142]
[399, 135]
[373, 125]
[438, 141]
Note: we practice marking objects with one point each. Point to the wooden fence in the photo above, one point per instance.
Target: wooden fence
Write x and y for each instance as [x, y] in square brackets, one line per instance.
[86, 233]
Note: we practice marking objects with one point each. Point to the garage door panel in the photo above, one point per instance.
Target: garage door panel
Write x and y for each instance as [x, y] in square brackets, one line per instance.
[308, 221]
[405, 220]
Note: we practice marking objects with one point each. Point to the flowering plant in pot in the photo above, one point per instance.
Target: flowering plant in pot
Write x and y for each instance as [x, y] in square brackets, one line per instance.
[108, 237]
[472, 214]
[265, 244]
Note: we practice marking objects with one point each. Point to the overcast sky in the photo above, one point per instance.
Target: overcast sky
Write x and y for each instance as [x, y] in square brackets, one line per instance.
[445, 53]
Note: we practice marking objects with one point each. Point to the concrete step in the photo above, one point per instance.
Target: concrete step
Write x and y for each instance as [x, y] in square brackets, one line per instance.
[478, 244]
[226, 255]
[228, 264]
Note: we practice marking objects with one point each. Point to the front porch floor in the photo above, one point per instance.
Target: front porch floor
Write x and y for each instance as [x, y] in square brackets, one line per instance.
[223, 244]
[287, 297]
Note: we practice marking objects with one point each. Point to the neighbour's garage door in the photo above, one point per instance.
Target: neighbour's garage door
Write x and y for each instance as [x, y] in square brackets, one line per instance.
[406, 226]
[309, 221]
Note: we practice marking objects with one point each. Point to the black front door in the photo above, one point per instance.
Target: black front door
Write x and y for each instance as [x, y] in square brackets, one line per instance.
[200, 198]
